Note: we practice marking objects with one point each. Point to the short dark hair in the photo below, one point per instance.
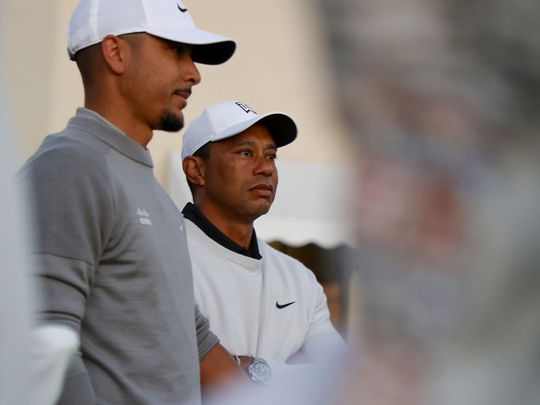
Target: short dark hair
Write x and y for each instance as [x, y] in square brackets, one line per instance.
[204, 153]
[87, 58]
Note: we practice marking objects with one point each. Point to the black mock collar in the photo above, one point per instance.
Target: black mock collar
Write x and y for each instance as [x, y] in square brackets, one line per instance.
[192, 213]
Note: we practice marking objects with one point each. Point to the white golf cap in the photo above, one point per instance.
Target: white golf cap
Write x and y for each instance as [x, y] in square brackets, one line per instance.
[229, 118]
[92, 20]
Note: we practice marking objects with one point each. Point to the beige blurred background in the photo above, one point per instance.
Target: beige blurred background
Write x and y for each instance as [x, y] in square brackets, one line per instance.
[279, 65]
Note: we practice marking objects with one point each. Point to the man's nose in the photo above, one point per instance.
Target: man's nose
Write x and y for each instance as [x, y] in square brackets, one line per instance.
[265, 166]
[191, 72]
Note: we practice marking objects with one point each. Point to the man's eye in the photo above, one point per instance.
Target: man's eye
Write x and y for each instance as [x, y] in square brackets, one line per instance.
[245, 153]
[271, 156]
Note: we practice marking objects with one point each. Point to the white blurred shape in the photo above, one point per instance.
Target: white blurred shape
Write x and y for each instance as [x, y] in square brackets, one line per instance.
[15, 296]
[33, 360]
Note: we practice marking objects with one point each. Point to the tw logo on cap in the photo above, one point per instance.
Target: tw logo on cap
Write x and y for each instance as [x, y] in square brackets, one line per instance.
[181, 7]
[245, 107]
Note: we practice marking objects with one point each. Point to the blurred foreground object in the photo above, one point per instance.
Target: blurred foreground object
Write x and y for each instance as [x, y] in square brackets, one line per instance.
[32, 359]
[15, 297]
[442, 98]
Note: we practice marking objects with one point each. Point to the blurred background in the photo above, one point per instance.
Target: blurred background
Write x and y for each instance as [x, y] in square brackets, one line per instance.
[412, 190]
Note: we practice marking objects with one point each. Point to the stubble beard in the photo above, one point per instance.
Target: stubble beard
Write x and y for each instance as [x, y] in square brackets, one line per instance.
[257, 210]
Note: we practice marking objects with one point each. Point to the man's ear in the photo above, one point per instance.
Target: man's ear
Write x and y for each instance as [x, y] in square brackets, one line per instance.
[194, 169]
[114, 50]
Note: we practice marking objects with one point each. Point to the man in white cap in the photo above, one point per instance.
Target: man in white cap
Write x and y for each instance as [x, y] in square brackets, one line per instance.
[110, 243]
[266, 307]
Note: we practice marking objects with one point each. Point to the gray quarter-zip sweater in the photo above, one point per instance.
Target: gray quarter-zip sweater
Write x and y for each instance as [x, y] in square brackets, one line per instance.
[113, 264]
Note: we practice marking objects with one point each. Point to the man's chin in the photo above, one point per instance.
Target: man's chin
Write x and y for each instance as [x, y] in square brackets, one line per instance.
[171, 122]
[261, 210]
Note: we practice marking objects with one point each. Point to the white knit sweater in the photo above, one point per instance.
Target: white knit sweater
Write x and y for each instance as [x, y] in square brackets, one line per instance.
[240, 297]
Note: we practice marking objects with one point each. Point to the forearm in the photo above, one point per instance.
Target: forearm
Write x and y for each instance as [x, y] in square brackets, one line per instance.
[218, 368]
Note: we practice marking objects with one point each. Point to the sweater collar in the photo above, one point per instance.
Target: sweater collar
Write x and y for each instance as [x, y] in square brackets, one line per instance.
[193, 213]
[94, 124]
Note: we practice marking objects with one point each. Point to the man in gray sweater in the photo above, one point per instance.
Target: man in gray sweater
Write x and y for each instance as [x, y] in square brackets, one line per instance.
[111, 245]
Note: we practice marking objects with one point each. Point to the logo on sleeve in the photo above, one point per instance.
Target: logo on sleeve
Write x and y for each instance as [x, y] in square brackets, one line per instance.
[281, 306]
[144, 217]
[182, 9]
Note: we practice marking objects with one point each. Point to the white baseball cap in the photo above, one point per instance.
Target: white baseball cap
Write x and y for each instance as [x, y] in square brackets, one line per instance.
[229, 118]
[92, 20]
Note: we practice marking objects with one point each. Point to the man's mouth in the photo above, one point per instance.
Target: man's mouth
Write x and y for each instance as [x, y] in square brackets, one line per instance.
[185, 93]
[263, 190]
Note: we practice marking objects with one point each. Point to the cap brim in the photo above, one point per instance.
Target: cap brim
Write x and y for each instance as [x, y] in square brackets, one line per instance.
[282, 128]
[208, 48]
[213, 54]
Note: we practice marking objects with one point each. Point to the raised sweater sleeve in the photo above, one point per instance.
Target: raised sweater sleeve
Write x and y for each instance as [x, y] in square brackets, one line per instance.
[205, 338]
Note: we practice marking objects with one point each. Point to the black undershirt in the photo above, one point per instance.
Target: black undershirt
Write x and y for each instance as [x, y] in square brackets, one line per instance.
[192, 213]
